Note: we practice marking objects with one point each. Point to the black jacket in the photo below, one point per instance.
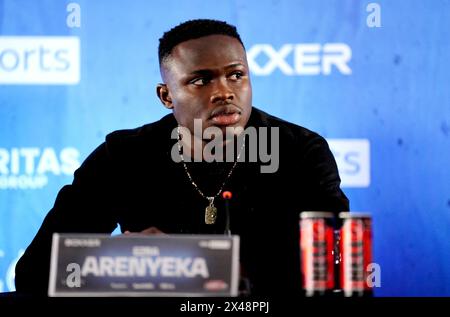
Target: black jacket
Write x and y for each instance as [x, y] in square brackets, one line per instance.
[132, 181]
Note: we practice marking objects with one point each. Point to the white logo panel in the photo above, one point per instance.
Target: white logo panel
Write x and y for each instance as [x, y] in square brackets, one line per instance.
[39, 60]
[353, 161]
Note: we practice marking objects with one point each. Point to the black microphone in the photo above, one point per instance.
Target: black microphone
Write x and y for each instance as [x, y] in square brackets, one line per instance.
[227, 196]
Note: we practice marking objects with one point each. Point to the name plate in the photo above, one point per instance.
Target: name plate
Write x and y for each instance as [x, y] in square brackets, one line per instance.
[136, 265]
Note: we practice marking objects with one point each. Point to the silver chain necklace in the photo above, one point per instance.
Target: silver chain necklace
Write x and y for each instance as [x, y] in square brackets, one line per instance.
[210, 210]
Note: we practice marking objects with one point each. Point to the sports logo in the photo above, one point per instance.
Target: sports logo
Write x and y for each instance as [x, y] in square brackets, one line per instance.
[39, 60]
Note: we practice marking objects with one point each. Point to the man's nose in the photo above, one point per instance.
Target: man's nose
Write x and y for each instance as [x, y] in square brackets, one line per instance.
[222, 91]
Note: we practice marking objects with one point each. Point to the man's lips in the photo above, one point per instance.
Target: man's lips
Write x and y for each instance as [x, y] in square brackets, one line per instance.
[226, 119]
[225, 115]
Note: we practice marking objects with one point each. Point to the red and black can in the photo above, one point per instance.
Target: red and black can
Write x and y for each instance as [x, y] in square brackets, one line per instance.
[316, 251]
[355, 253]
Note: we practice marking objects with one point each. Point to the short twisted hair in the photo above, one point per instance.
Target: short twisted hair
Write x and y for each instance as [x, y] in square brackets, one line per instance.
[193, 29]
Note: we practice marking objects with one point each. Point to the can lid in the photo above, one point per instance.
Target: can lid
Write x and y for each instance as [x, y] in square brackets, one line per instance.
[347, 215]
[316, 214]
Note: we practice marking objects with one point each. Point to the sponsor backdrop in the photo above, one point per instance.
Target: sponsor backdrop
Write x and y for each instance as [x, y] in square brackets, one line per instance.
[370, 76]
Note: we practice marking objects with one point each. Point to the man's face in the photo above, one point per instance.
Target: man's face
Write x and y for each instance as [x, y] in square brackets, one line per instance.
[208, 79]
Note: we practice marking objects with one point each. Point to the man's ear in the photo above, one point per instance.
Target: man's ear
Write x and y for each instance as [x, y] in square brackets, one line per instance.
[164, 95]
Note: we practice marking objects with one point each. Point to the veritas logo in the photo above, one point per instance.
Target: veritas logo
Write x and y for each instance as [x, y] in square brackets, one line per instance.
[27, 168]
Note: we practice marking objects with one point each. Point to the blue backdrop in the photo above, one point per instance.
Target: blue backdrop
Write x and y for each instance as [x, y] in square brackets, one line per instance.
[370, 76]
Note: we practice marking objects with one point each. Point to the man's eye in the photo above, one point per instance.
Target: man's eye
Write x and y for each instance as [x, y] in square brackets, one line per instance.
[202, 81]
[236, 76]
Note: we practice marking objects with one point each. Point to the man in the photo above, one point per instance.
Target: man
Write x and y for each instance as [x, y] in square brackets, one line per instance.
[137, 180]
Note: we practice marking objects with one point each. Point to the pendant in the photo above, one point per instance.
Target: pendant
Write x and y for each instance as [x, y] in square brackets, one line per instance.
[210, 212]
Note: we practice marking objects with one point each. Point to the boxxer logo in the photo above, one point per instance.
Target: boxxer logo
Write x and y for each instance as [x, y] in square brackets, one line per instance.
[307, 59]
